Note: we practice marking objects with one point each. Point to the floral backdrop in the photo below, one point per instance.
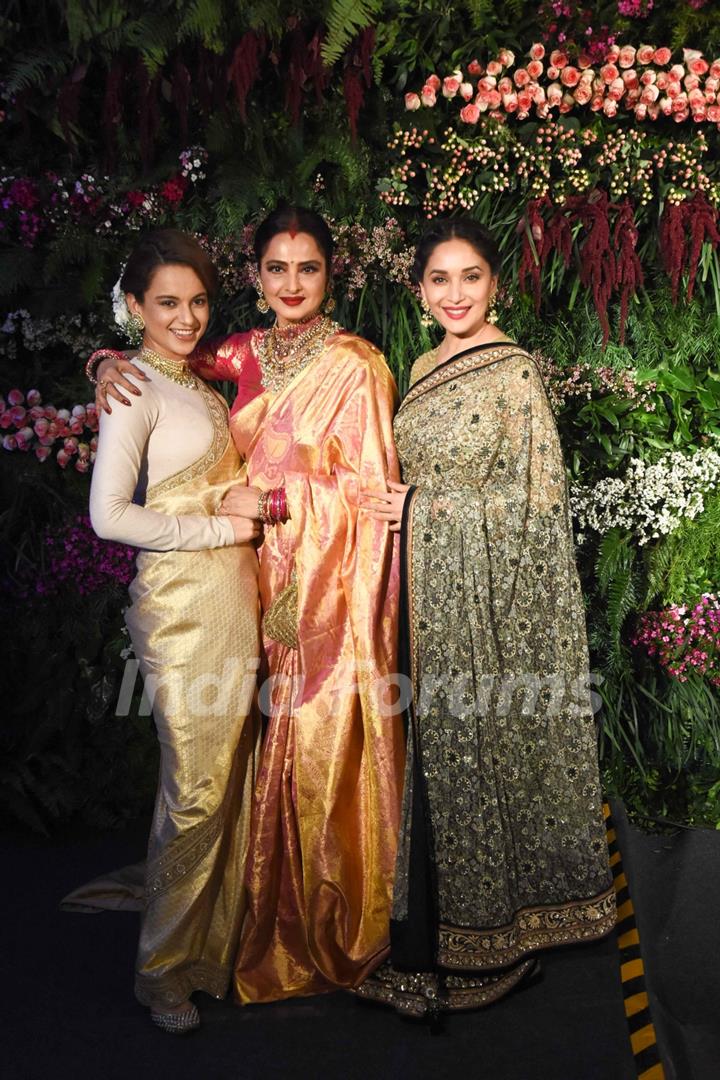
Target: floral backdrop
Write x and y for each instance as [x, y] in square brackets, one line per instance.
[587, 138]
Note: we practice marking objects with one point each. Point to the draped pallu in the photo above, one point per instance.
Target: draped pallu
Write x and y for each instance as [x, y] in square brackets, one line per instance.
[323, 845]
[194, 628]
[502, 843]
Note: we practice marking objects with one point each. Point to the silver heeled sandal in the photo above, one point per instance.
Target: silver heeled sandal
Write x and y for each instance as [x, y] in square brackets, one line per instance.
[177, 1023]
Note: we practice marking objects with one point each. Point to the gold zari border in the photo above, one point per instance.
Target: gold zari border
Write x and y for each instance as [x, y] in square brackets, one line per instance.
[452, 369]
[531, 929]
[218, 415]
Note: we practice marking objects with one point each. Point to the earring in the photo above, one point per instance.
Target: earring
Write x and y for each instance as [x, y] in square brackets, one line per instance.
[491, 315]
[427, 318]
[261, 303]
[134, 328]
[329, 305]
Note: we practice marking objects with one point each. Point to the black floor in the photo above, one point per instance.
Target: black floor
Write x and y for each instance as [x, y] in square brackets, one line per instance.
[71, 1012]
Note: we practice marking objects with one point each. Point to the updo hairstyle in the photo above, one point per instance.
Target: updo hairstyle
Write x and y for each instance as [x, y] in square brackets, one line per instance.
[293, 220]
[166, 247]
[457, 228]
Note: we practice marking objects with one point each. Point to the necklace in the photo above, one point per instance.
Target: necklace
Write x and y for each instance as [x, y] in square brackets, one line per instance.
[177, 370]
[284, 353]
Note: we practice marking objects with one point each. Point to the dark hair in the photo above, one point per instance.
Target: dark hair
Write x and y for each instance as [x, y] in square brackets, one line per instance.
[457, 228]
[294, 219]
[166, 247]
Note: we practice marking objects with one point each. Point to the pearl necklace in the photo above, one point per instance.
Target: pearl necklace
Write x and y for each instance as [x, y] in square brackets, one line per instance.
[284, 355]
[176, 370]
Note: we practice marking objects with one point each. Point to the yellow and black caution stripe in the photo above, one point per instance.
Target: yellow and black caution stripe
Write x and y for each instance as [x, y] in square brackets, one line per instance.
[632, 970]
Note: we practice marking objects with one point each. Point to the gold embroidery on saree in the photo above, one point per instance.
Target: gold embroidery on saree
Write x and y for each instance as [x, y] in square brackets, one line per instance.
[217, 410]
[172, 865]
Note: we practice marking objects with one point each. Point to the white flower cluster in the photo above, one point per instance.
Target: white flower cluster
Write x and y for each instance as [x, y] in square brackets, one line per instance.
[81, 333]
[121, 311]
[649, 500]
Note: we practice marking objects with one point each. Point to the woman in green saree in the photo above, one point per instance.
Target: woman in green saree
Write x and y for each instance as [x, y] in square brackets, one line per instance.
[502, 847]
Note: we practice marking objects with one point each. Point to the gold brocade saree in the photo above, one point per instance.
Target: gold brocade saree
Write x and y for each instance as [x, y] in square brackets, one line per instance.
[194, 629]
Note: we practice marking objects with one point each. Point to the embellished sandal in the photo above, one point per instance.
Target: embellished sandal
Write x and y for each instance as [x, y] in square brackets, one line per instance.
[177, 1023]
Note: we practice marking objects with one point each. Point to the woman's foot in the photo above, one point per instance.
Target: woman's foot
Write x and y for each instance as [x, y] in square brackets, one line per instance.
[177, 1019]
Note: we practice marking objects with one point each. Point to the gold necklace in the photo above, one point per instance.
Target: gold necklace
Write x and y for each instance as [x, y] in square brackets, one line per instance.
[284, 356]
[176, 370]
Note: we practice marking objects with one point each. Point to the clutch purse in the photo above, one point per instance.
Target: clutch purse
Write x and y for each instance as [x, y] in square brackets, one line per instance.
[280, 621]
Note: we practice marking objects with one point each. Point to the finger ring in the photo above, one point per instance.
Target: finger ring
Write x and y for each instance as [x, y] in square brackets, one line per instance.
[102, 384]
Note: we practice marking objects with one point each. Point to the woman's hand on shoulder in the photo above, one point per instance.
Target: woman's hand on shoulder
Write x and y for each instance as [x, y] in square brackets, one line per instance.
[111, 381]
[386, 506]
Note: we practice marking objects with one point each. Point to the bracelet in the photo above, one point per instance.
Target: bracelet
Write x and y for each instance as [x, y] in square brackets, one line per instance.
[94, 360]
[272, 506]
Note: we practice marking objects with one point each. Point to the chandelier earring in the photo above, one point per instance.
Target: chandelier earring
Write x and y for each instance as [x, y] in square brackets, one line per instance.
[427, 318]
[491, 315]
[261, 303]
[329, 305]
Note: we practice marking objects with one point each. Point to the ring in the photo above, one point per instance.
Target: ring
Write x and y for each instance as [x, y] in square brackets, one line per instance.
[102, 384]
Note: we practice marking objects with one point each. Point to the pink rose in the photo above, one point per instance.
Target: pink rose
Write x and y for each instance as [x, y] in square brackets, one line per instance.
[612, 54]
[70, 445]
[691, 82]
[17, 414]
[648, 77]
[93, 443]
[663, 80]
[494, 99]
[62, 458]
[662, 56]
[709, 96]
[609, 72]
[645, 54]
[609, 106]
[640, 111]
[428, 96]
[506, 57]
[466, 91]
[680, 104]
[537, 51]
[482, 105]
[616, 89]
[46, 440]
[699, 114]
[712, 83]
[450, 86]
[494, 68]
[525, 100]
[6, 420]
[41, 427]
[567, 104]
[42, 453]
[79, 410]
[677, 72]
[505, 86]
[15, 397]
[582, 93]
[713, 114]
[665, 104]
[412, 102]
[535, 69]
[584, 61]
[488, 83]
[24, 438]
[50, 412]
[433, 82]
[650, 94]
[553, 73]
[699, 66]
[554, 94]
[34, 397]
[715, 69]
[539, 96]
[37, 413]
[653, 111]
[62, 414]
[673, 89]
[475, 68]
[77, 426]
[559, 59]
[82, 465]
[9, 442]
[626, 58]
[510, 102]
[681, 116]
[470, 114]
[570, 76]
[521, 78]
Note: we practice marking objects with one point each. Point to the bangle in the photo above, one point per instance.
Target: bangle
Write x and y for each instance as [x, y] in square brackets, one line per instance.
[272, 506]
[94, 360]
[263, 508]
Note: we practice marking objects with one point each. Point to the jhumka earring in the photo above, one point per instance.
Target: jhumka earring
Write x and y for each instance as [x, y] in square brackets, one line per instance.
[261, 303]
[134, 328]
[427, 318]
[329, 305]
[491, 315]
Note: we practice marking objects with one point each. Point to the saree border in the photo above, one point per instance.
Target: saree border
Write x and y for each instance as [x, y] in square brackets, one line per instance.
[218, 413]
[541, 927]
[463, 363]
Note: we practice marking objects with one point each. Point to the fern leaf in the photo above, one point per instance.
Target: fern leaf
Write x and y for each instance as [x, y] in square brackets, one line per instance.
[345, 19]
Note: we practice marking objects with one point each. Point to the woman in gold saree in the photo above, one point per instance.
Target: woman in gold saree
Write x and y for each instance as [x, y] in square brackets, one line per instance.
[313, 420]
[502, 848]
[194, 628]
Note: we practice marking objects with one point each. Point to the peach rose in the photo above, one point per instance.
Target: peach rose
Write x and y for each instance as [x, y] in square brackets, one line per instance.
[709, 96]
[715, 69]
[38, 413]
[609, 72]
[510, 102]
[488, 83]
[616, 89]
[630, 79]
[582, 93]
[663, 80]
[696, 99]
[41, 428]
[475, 68]
[505, 86]
[567, 104]
[434, 82]
[673, 89]
[494, 68]
[483, 106]
[699, 114]
[428, 96]
[665, 104]
[680, 103]
[677, 71]
[612, 54]
[412, 102]
[559, 59]
[597, 102]
[609, 106]
[691, 82]
[470, 114]
[42, 453]
[525, 100]
[662, 56]
[648, 77]
[494, 99]
[554, 94]
[653, 111]
[626, 58]
[712, 83]
[15, 397]
[645, 54]
[535, 69]
[450, 86]
[699, 66]
[553, 73]
[537, 51]
[713, 114]
[570, 76]
[62, 458]
[681, 116]
[584, 61]
[650, 94]
[521, 78]
[640, 111]
[506, 57]
[538, 94]
[466, 91]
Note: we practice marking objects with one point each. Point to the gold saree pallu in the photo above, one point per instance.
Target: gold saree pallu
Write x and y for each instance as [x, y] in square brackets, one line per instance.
[194, 628]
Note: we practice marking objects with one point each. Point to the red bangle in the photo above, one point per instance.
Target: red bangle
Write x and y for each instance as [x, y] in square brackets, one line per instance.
[94, 360]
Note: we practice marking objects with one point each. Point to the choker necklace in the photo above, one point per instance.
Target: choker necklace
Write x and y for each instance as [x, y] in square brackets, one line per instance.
[285, 352]
[176, 370]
